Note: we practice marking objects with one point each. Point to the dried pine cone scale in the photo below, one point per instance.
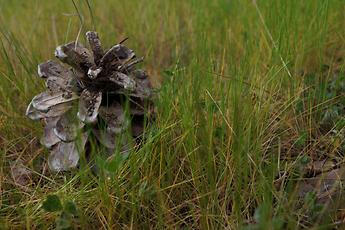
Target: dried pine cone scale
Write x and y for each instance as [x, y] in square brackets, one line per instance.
[50, 138]
[95, 45]
[91, 92]
[89, 104]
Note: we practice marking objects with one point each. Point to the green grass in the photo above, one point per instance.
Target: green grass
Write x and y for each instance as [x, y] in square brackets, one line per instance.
[230, 73]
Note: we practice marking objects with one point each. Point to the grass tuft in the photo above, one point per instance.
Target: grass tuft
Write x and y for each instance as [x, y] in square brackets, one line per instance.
[249, 98]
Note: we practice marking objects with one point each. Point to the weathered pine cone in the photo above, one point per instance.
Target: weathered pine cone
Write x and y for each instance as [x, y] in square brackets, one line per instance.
[113, 98]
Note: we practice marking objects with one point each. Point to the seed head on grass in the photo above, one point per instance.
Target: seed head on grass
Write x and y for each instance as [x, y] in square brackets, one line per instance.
[103, 86]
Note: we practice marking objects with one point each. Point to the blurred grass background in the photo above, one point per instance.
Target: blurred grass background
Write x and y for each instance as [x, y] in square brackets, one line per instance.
[230, 74]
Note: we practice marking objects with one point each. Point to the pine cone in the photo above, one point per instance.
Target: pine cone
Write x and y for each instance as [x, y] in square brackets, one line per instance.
[103, 84]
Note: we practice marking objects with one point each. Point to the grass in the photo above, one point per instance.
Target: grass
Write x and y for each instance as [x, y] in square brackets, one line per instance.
[232, 75]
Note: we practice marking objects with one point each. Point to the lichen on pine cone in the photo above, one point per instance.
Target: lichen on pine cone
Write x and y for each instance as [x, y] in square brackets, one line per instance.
[102, 95]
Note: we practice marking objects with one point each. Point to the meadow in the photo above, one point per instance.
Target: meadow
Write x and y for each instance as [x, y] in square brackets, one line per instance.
[250, 116]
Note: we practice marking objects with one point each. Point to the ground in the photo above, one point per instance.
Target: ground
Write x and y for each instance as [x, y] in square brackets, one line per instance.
[250, 116]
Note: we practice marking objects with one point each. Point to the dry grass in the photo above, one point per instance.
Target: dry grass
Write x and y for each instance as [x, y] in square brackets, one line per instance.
[242, 98]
